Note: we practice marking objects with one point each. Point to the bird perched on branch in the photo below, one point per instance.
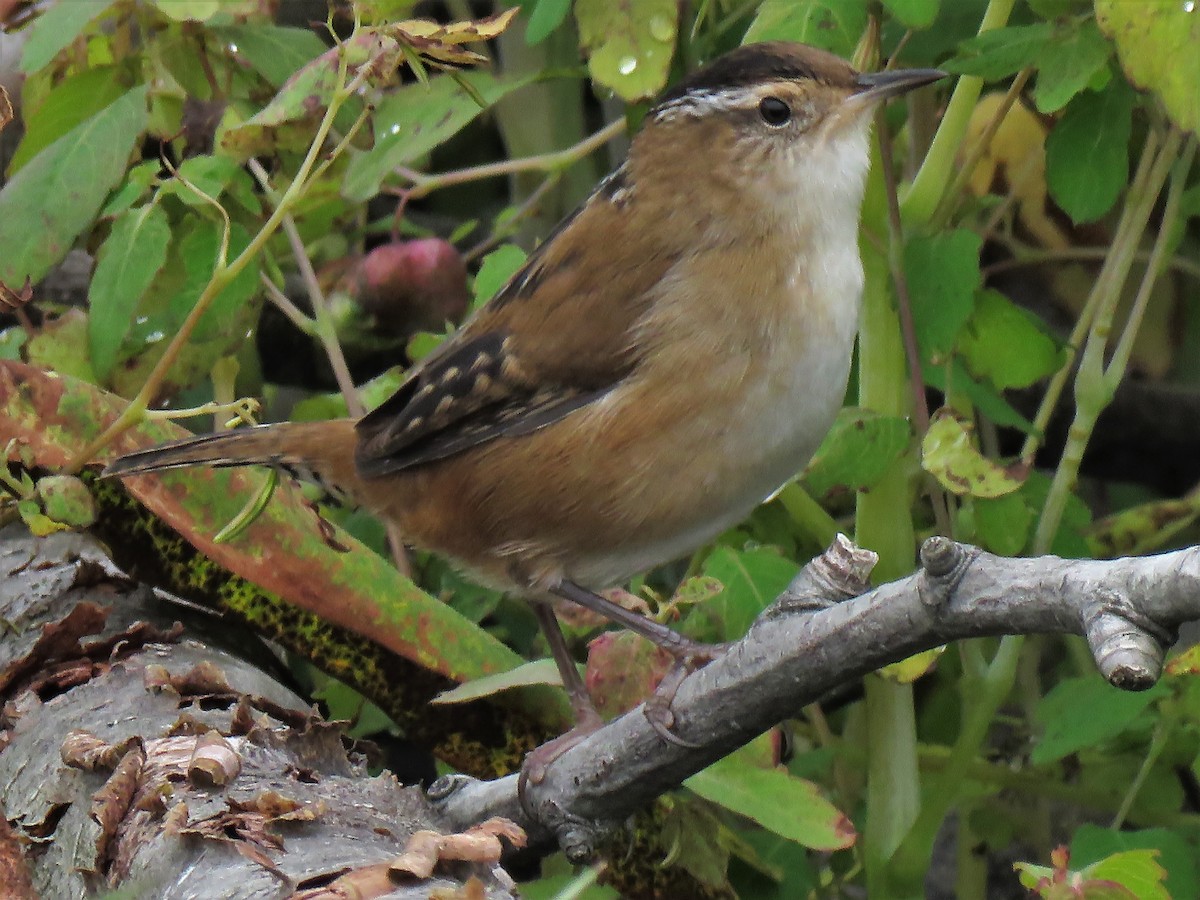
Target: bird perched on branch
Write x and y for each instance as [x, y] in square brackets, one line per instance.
[672, 354]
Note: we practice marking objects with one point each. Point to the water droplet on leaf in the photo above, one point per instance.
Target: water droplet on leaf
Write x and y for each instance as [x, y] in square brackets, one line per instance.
[661, 28]
[627, 65]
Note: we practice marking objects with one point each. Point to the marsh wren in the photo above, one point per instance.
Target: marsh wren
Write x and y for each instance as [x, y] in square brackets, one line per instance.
[672, 354]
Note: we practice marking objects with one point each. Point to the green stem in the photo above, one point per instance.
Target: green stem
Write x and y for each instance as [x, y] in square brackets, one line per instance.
[554, 161]
[807, 513]
[884, 524]
[1037, 257]
[1094, 385]
[937, 170]
[1120, 238]
[1158, 741]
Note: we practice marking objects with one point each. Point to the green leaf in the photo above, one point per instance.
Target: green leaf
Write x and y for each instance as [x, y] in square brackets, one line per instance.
[413, 120]
[949, 455]
[1087, 153]
[1136, 870]
[188, 10]
[943, 277]
[199, 249]
[983, 396]
[287, 121]
[1076, 518]
[67, 500]
[61, 346]
[545, 18]
[791, 807]
[1091, 843]
[913, 13]
[540, 671]
[858, 451]
[1007, 345]
[137, 182]
[11, 341]
[128, 260]
[56, 28]
[1156, 44]
[1002, 52]
[209, 174]
[76, 99]
[750, 579]
[830, 24]
[1083, 712]
[496, 269]
[629, 46]
[1002, 524]
[56, 196]
[1068, 65]
[275, 51]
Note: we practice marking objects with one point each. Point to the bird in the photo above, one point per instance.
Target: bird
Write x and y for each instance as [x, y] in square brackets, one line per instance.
[669, 356]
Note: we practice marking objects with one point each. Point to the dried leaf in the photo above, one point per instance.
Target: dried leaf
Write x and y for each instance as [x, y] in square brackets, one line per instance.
[58, 640]
[6, 114]
[9, 298]
[480, 844]
[113, 800]
[214, 761]
[270, 804]
[474, 889]
[83, 750]
[257, 856]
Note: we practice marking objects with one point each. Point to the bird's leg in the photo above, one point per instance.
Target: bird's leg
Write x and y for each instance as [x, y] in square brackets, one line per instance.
[689, 655]
[587, 719]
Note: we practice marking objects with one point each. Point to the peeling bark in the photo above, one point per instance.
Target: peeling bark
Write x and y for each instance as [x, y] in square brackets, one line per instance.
[134, 755]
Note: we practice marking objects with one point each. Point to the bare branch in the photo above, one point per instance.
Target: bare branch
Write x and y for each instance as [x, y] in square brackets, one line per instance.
[810, 641]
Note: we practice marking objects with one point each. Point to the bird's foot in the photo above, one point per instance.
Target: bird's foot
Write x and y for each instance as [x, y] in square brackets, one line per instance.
[538, 760]
[689, 656]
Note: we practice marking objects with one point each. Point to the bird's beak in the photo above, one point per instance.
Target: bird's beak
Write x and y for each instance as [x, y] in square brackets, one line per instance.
[876, 86]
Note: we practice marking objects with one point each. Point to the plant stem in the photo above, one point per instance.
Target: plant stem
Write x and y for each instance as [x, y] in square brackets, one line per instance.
[919, 203]
[950, 198]
[284, 304]
[424, 185]
[884, 524]
[1158, 741]
[1058, 382]
[1094, 384]
[1038, 257]
[222, 277]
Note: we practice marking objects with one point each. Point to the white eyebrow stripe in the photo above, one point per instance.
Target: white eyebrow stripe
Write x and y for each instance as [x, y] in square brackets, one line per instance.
[695, 104]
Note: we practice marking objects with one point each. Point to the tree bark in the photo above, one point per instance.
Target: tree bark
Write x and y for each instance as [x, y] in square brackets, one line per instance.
[135, 753]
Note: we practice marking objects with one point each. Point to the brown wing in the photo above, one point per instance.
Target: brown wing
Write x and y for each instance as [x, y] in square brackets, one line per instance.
[556, 337]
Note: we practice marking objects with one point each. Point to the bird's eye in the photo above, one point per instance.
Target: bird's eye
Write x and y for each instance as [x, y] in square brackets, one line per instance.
[774, 111]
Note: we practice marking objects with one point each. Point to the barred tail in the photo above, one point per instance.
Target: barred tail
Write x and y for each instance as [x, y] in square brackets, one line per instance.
[323, 448]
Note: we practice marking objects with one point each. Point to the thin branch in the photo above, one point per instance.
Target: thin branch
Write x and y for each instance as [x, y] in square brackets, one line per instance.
[1081, 254]
[423, 185]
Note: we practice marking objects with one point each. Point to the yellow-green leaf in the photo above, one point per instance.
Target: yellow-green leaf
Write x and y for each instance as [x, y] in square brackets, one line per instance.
[949, 455]
[1156, 43]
